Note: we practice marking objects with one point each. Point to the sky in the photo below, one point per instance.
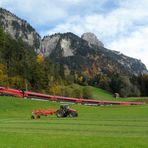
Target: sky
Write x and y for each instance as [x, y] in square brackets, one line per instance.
[122, 25]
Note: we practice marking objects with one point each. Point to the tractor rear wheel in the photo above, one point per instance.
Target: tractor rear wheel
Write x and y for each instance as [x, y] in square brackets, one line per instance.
[60, 114]
[73, 114]
[32, 117]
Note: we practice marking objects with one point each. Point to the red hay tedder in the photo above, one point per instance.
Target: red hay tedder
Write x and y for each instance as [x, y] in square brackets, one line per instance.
[64, 111]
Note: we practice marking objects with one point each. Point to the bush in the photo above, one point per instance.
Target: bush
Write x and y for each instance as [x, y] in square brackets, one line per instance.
[87, 94]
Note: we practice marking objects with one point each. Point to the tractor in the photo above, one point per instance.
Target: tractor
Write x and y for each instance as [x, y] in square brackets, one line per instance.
[64, 111]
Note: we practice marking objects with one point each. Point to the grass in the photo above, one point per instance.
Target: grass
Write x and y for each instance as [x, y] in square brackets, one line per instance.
[97, 93]
[100, 94]
[105, 127]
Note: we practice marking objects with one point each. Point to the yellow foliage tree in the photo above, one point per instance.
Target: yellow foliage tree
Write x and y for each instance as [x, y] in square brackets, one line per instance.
[40, 58]
[81, 79]
[3, 76]
[55, 89]
[16, 82]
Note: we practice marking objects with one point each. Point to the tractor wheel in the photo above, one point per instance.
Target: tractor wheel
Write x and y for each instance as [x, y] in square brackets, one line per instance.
[73, 114]
[60, 114]
[32, 117]
[38, 117]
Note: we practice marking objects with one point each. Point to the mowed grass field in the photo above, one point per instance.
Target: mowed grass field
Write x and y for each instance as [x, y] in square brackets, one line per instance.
[100, 94]
[96, 127]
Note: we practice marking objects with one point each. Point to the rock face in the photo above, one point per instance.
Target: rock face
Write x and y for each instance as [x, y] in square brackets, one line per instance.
[65, 45]
[79, 54]
[57, 43]
[92, 39]
[49, 43]
[19, 28]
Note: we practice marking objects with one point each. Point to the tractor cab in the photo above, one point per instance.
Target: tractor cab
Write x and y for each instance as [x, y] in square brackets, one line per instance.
[64, 107]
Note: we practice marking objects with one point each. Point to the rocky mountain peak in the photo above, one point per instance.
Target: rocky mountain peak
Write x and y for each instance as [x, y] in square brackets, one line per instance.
[49, 43]
[92, 39]
[19, 28]
[81, 53]
[62, 43]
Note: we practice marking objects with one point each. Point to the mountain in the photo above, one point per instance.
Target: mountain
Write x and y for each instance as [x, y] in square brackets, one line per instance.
[70, 50]
[64, 59]
[92, 39]
[19, 28]
[84, 53]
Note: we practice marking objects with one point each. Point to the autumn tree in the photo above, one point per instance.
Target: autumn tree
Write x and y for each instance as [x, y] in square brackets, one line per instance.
[87, 92]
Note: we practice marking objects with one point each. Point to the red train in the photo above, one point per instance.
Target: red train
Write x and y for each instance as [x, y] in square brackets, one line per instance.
[19, 93]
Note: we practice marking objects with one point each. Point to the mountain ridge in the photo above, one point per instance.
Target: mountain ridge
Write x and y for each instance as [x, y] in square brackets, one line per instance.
[101, 56]
[77, 53]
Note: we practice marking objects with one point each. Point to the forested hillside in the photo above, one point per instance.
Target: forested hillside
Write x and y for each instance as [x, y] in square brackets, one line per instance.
[20, 66]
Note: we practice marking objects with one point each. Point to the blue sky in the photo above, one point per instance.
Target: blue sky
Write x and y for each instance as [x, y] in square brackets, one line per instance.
[121, 25]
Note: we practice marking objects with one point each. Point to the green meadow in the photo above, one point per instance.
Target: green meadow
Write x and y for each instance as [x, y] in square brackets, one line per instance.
[100, 94]
[104, 127]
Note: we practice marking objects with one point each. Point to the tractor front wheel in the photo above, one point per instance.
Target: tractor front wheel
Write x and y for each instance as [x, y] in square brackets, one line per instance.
[38, 117]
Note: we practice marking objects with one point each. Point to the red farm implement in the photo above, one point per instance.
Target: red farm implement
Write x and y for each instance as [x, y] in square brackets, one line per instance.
[42, 112]
[64, 111]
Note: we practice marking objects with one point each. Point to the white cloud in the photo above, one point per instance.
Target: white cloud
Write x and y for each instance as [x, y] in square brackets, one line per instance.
[71, 1]
[42, 12]
[134, 45]
[37, 12]
[107, 25]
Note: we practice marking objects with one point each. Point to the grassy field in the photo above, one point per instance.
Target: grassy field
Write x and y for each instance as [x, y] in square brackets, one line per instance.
[100, 94]
[105, 127]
